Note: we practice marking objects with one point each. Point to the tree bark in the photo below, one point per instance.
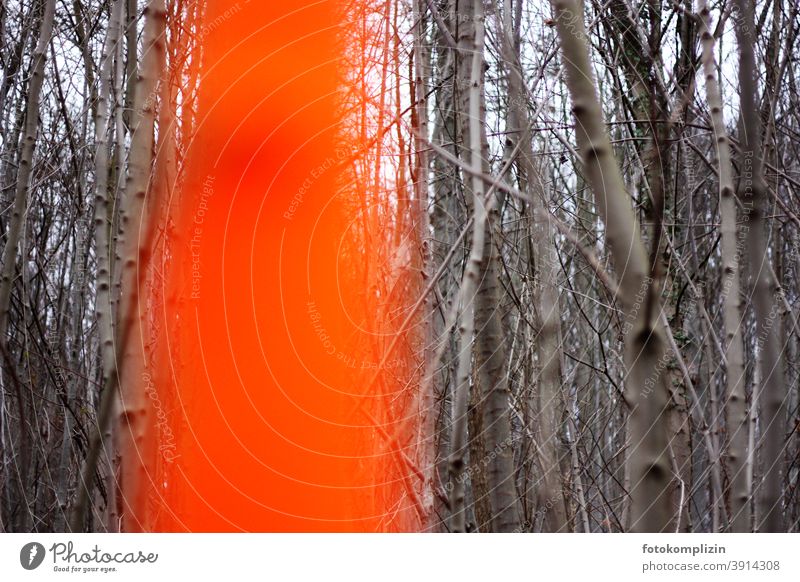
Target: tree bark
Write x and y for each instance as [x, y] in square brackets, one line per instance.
[545, 292]
[470, 42]
[134, 412]
[732, 305]
[645, 390]
[28, 146]
[753, 192]
[8, 275]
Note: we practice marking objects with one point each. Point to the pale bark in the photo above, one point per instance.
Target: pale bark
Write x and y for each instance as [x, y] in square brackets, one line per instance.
[645, 392]
[490, 350]
[471, 35]
[426, 402]
[27, 148]
[103, 226]
[136, 225]
[446, 210]
[753, 192]
[15, 227]
[550, 407]
[732, 304]
[132, 61]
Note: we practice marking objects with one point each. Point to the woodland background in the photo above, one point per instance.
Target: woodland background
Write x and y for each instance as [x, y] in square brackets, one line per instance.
[587, 208]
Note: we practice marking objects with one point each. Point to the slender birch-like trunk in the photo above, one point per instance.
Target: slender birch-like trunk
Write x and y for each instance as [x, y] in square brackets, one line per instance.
[15, 226]
[753, 193]
[426, 402]
[490, 341]
[135, 223]
[103, 227]
[645, 390]
[27, 148]
[136, 226]
[471, 35]
[545, 293]
[492, 402]
[732, 303]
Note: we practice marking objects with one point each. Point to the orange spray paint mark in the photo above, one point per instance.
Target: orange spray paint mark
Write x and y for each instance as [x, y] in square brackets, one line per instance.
[265, 366]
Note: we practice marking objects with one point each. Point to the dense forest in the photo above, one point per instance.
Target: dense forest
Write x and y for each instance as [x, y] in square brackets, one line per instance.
[576, 224]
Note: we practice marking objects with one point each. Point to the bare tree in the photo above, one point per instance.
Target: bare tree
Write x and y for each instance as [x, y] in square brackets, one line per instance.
[753, 191]
[734, 350]
[645, 391]
[576, 280]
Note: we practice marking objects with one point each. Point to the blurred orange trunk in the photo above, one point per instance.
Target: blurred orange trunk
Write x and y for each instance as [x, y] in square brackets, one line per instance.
[257, 417]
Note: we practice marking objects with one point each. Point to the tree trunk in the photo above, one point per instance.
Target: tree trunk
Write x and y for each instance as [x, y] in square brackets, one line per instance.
[732, 304]
[545, 291]
[645, 390]
[753, 192]
[8, 275]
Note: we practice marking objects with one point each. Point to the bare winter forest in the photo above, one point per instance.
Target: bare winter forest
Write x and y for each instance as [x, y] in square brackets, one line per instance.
[578, 220]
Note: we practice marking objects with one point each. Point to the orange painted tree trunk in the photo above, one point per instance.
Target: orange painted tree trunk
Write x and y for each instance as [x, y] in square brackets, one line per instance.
[262, 382]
